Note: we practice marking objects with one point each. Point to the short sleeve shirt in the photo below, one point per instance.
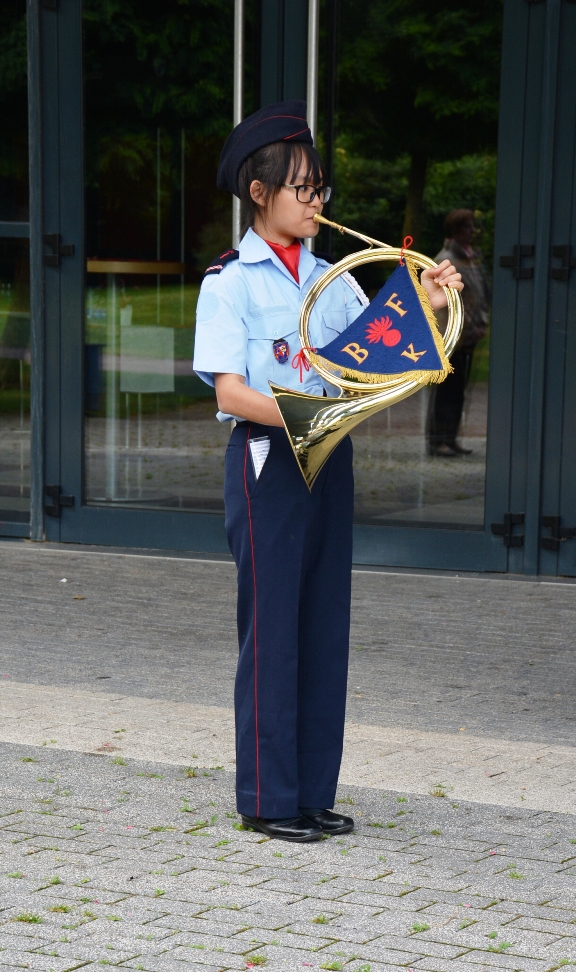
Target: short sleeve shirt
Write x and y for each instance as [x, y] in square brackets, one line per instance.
[253, 302]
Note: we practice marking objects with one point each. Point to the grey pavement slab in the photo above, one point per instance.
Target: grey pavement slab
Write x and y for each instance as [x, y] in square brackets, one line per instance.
[432, 652]
[139, 889]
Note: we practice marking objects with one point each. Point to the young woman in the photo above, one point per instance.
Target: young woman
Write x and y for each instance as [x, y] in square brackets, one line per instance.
[292, 547]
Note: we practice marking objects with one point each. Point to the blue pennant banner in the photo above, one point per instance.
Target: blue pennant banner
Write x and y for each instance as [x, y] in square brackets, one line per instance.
[395, 335]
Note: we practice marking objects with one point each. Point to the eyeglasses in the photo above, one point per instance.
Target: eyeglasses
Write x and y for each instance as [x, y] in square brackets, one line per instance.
[307, 194]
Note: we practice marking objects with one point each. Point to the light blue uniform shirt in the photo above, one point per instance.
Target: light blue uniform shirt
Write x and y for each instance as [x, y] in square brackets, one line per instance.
[255, 301]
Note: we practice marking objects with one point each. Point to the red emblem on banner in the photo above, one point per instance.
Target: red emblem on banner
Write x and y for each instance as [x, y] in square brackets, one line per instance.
[381, 330]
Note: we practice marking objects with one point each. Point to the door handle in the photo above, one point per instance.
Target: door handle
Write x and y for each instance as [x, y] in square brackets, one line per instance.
[557, 533]
[59, 249]
[567, 263]
[513, 261]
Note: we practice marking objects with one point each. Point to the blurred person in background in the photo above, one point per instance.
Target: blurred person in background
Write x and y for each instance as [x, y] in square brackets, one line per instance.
[447, 399]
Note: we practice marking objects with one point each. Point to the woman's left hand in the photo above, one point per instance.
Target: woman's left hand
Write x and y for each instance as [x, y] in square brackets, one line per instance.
[444, 275]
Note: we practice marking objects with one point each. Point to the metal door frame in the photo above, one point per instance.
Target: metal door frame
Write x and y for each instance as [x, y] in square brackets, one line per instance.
[557, 508]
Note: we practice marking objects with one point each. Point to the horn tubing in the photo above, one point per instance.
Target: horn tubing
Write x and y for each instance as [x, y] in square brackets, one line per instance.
[344, 229]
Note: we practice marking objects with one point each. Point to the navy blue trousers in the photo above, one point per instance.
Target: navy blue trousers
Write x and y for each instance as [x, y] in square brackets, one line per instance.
[293, 551]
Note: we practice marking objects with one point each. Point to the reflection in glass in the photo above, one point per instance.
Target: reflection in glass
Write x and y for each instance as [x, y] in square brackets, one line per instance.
[158, 103]
[410, 138]
[151, 436]
[14, 381]
[14, 112]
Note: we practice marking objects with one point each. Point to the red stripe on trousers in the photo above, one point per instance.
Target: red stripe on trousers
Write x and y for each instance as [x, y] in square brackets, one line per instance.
[255, 627]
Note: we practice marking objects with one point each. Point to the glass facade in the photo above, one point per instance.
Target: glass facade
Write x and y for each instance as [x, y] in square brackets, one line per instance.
[409, 138]
[13, 99]
[14, 271]
[14, 381]
[158, 97]
[133, 104]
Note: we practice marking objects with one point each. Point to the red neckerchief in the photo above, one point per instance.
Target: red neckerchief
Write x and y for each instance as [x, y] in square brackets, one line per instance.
[290, 256]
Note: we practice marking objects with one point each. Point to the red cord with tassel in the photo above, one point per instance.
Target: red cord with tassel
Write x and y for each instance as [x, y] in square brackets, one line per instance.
[408, 241]
[301, 361]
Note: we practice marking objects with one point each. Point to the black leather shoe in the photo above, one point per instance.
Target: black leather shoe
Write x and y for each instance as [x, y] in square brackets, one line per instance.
[460, 450]
[444, 450]
[299, 829]
[330, 822]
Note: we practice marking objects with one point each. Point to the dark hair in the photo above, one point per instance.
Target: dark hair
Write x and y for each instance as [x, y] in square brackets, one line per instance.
[273, 166]
[456, 219]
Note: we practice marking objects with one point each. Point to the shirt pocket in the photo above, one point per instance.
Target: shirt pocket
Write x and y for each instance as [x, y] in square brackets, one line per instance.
[332, 324]
[263, 331]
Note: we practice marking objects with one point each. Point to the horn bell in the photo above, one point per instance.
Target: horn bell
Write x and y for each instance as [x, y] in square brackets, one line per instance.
[316, 425]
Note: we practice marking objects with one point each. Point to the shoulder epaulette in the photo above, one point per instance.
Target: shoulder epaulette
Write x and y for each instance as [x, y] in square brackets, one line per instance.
[220, 262]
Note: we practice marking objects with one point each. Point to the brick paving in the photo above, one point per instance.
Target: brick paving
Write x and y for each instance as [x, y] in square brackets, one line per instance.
[106, 861]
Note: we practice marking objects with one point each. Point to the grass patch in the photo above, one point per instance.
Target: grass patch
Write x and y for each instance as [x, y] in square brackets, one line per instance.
[320, 920]
[29, 918]
[438, 790]
[420, 927]
[15, 874]
[61, 909]
[514, 874]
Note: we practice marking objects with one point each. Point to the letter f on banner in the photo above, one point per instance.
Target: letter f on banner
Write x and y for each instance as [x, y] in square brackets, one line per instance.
[395, 305]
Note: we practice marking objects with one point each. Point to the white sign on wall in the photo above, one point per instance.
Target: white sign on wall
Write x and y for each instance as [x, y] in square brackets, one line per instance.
[146, 359]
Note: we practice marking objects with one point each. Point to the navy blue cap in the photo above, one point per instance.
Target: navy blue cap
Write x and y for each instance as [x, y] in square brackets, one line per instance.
[282, 122]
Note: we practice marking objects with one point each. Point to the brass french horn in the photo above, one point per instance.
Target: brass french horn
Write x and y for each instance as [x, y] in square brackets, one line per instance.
[316, 425]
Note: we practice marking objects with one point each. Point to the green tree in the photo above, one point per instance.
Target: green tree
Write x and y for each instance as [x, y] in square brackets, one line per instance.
[150, 71]
[420, 80]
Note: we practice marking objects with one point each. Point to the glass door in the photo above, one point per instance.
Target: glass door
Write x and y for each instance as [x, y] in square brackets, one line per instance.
[143, 454]
[430, 146]
[14, 277]
[557, 553]
[155, 113]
